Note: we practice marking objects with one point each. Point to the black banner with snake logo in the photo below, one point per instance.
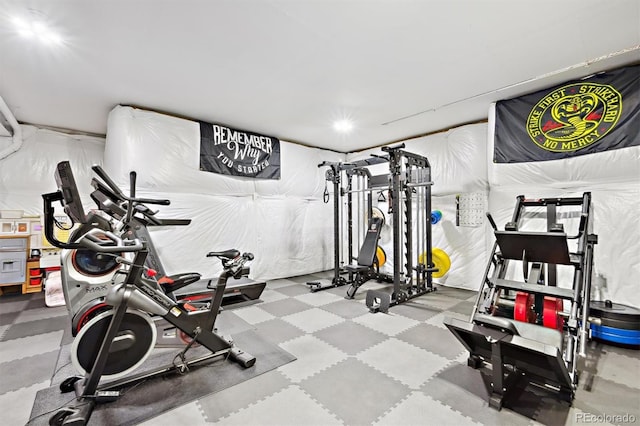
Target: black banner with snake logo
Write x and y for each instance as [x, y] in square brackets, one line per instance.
[595, 114]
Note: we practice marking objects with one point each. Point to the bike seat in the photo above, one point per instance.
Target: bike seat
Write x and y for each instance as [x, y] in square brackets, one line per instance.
[226, 254]
[171, 283]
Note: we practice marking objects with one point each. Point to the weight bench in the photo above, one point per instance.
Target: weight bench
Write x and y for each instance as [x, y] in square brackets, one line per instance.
[364, 269]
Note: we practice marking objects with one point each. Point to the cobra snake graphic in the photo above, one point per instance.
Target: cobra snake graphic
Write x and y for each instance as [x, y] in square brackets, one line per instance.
[572, 111]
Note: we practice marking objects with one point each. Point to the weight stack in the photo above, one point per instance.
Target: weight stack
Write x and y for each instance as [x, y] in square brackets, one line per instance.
[618, 323]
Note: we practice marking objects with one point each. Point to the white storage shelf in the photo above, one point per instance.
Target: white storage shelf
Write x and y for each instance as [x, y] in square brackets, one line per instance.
[13, 260]
[14, 227]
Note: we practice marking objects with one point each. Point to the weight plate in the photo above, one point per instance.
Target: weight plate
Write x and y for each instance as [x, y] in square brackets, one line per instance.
[377, 212]
[614, 323]
[436, 216]
[616, 311]
[381, 256]
[551, 317]
[616, 335]
[523, 308]
[440, 259]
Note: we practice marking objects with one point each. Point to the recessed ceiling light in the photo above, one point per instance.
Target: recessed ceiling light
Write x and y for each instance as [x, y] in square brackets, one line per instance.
[343, 126]
[36, 29]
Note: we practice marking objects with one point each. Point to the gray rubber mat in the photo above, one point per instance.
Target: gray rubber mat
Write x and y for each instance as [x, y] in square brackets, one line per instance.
[152, 397]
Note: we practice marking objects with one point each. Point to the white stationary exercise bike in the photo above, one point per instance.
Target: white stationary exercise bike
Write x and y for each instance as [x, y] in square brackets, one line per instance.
[115, 342]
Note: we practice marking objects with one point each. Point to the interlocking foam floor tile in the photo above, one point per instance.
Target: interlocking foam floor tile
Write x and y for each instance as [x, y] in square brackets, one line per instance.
[269, 295]
[27, 370]
[318, 298]
[350, 337]
[470, 404]
[576, 417]
[7, 318]
[36, 301]
[254, 314]
[278, 331]
[40, 326]
[29, 346]
[42, 313]
[419, 409]
[16, 405]
[620, 368]
[229, 323]
[3, 330]
[281, 308]
[438, 320]
[381, 358]
[14, 304]
[458, 293]
[290, 407]
[389, 324]
[313, 319]
[357, 393]
[331, 384]
[295, 289]
[465, 307]
[414, 310]
[538, 404]
[313, 355]
[236, 398]
[608, 397]
[433, 339]
[279, 283]
[347, 309]
[631, 352]
[437, 300]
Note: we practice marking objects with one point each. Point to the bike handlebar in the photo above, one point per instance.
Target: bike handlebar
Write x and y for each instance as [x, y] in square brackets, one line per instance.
[119, 194]
[105, 177]
[95, 240]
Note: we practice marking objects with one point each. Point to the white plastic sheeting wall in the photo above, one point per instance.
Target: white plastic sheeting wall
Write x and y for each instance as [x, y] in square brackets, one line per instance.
[283, 222]
[28, 173]
[613, 178]
[458, 165]
[289, 228]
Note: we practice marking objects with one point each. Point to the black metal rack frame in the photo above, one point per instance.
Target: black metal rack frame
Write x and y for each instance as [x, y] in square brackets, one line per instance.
[409, 179]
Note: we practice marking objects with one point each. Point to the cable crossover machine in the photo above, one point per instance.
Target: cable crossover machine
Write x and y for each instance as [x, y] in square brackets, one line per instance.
[358, 223]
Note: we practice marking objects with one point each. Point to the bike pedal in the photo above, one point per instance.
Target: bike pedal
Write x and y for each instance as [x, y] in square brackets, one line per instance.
[106, 396]
[67, 385]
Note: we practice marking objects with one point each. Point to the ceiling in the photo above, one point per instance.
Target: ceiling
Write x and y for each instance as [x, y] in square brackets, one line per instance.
[289, 68]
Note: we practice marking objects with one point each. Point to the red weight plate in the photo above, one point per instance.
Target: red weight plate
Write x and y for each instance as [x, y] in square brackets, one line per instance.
[523, 309]
[551, 317]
